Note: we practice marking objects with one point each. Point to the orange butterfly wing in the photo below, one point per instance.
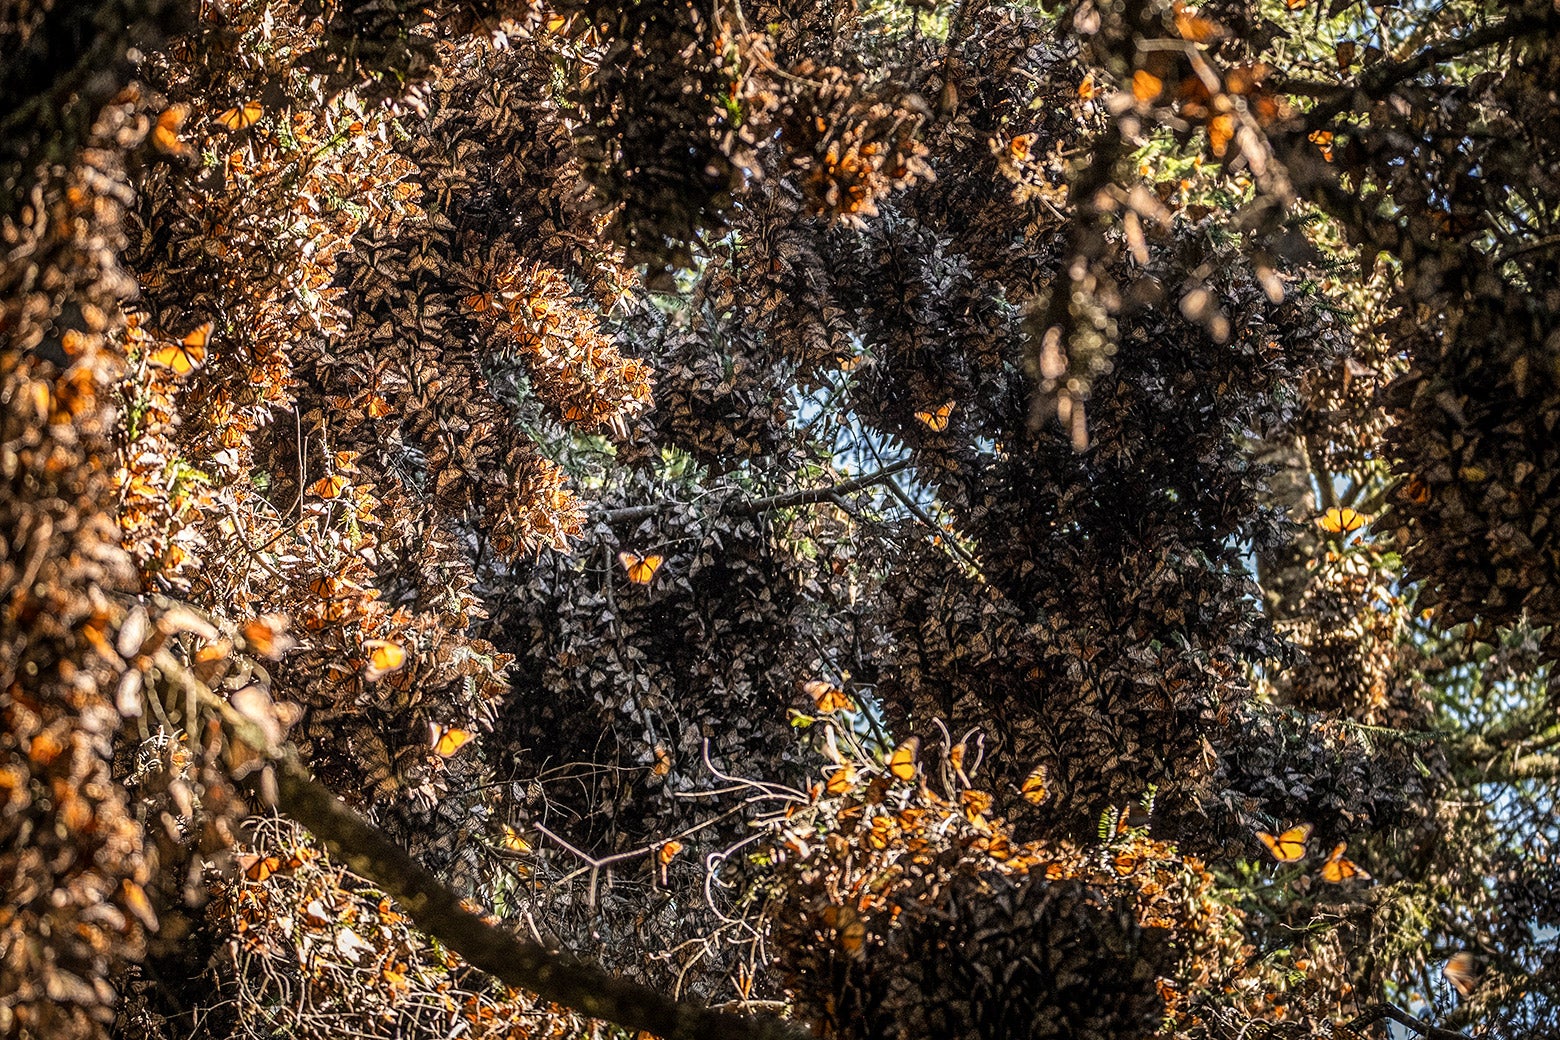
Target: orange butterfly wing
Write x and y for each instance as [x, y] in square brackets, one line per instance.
[827, 697]
[329, 487]
[1034, 787]
[1338, 870]
[241, 116]
[186, 355]
[383, 657]
[258, 868]
[1288, 846]
[1462, 971]
[902, 762]
[1341, 521]
[936, 421]
[640, 568]
[446, 740]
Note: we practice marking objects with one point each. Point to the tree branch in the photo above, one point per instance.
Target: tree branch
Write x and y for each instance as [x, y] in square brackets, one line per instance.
[1419, 1025]
[802, 497]
[437, 910]
[562, 979]
[1377, 82]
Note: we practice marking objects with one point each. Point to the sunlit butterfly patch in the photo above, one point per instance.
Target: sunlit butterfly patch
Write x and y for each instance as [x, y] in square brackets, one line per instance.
[383, 657]
[1034, 787]
[640, 568]
[902, 761]
[241, 116]
[1288, 846]
[515, 840]
[827, 697]
[186, 355]
[1341, 521]
[1338, 870]
[668, 851]
[446, 740]
[937, 419]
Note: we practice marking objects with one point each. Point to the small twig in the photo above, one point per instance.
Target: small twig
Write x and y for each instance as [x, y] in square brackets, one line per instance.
[1527, 247]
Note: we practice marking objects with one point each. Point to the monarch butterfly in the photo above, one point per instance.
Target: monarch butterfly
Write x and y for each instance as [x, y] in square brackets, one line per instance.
[827, 696]
[1338, 870]
[976, 804]
[186, 355]
[640, 568]
[669, 851]
[1034, 787]
[299, 856]
[514, 840]
[1125, 863]
[383, 657]
[1341, 521]
[1019, 147]
[1462, 971]
[267, 636]
[663, 761]
[936, 421]
[258, 868]
[840, 780]
[901, 762]
[241, 116]
[446, 740]
[1146, 86]
[165, 135]
[323, 586]
[1288, 846]
[1086, 88]
[329, 487]
[851, 930]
